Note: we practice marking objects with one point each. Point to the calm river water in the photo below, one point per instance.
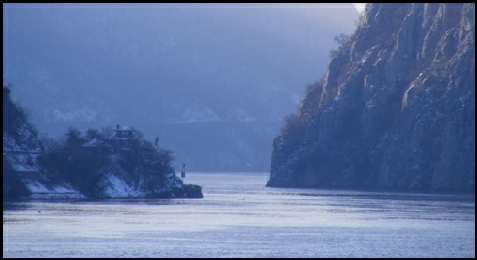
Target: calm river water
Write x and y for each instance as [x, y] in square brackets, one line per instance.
[240, 217]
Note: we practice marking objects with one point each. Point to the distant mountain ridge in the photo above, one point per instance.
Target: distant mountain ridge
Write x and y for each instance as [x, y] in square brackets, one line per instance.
[149, 65]
[395, 110]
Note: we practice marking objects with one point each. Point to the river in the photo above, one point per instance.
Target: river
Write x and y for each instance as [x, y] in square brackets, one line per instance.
[240, 217]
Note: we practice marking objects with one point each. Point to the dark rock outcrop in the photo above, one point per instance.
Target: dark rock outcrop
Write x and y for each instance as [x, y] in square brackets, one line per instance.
[395, 109]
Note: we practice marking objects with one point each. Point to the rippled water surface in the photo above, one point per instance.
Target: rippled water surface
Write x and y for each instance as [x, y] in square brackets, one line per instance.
[240, 217]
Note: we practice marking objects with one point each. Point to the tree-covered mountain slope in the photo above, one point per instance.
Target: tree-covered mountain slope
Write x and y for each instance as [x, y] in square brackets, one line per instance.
[112, 163]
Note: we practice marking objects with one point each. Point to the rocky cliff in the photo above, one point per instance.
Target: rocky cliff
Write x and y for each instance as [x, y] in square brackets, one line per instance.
[395, 109]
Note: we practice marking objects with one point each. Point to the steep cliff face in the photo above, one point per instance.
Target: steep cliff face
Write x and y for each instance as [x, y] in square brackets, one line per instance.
[395, 109]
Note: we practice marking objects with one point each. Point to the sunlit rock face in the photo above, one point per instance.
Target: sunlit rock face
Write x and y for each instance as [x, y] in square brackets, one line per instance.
[395, 109]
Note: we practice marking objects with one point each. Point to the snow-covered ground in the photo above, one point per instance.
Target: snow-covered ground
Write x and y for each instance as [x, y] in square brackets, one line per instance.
[40, 191]
[118, 188]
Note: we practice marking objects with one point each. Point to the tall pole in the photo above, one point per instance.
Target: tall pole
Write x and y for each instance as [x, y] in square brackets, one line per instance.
[183, 170]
